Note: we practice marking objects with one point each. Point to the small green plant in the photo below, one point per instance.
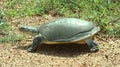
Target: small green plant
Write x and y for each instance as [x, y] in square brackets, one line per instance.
[11, 38]
[6, 35]
[4, 26]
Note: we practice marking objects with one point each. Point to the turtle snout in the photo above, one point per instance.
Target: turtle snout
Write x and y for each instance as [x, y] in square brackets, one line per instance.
[23, 29]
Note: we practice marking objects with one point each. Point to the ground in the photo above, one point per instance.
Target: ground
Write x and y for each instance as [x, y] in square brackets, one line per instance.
[66, 55]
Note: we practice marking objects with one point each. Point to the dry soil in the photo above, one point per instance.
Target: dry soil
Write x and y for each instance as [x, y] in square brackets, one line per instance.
[67, 55]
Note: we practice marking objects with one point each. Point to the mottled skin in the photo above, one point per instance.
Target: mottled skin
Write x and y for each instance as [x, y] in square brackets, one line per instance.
[64, 30]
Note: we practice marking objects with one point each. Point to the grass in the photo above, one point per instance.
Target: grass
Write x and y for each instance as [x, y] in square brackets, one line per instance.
[102, 12]
[11, 38]
[7, 35]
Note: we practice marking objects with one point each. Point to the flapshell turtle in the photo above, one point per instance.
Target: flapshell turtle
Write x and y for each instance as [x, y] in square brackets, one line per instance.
[63, 30]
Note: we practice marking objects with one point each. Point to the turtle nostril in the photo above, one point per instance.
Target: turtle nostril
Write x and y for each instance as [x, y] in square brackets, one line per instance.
[21, 28]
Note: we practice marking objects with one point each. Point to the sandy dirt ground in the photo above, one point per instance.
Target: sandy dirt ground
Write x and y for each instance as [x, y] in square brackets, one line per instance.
[66, 55]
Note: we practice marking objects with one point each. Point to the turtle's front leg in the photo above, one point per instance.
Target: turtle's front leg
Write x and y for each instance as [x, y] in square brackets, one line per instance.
[36, 41]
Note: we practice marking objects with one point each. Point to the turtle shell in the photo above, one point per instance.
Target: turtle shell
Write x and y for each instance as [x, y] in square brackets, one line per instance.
[67, 30]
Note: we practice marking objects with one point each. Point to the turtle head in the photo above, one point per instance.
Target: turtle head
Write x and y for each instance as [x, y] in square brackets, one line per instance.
[29, 30]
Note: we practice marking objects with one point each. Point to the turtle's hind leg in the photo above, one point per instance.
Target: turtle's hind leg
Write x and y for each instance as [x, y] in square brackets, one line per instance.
[36, 41]
[93, 45]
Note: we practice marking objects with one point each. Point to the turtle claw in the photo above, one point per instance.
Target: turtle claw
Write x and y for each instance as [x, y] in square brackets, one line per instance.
[31, 50]
[94, 49]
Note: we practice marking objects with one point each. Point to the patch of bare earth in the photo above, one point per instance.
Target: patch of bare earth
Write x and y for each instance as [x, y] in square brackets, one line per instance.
[69, 55]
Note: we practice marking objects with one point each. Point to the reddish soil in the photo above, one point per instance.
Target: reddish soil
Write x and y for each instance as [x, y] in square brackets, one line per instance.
[69, 55]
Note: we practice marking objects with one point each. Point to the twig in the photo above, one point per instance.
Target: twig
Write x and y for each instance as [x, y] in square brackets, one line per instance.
[114, 20]
[102, 39]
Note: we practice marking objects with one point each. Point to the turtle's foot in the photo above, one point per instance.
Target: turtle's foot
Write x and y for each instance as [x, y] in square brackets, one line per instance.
[93, 45]
[30, 49]
[94, 49]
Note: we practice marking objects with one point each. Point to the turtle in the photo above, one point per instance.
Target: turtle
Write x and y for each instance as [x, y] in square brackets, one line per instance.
[63, 30]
